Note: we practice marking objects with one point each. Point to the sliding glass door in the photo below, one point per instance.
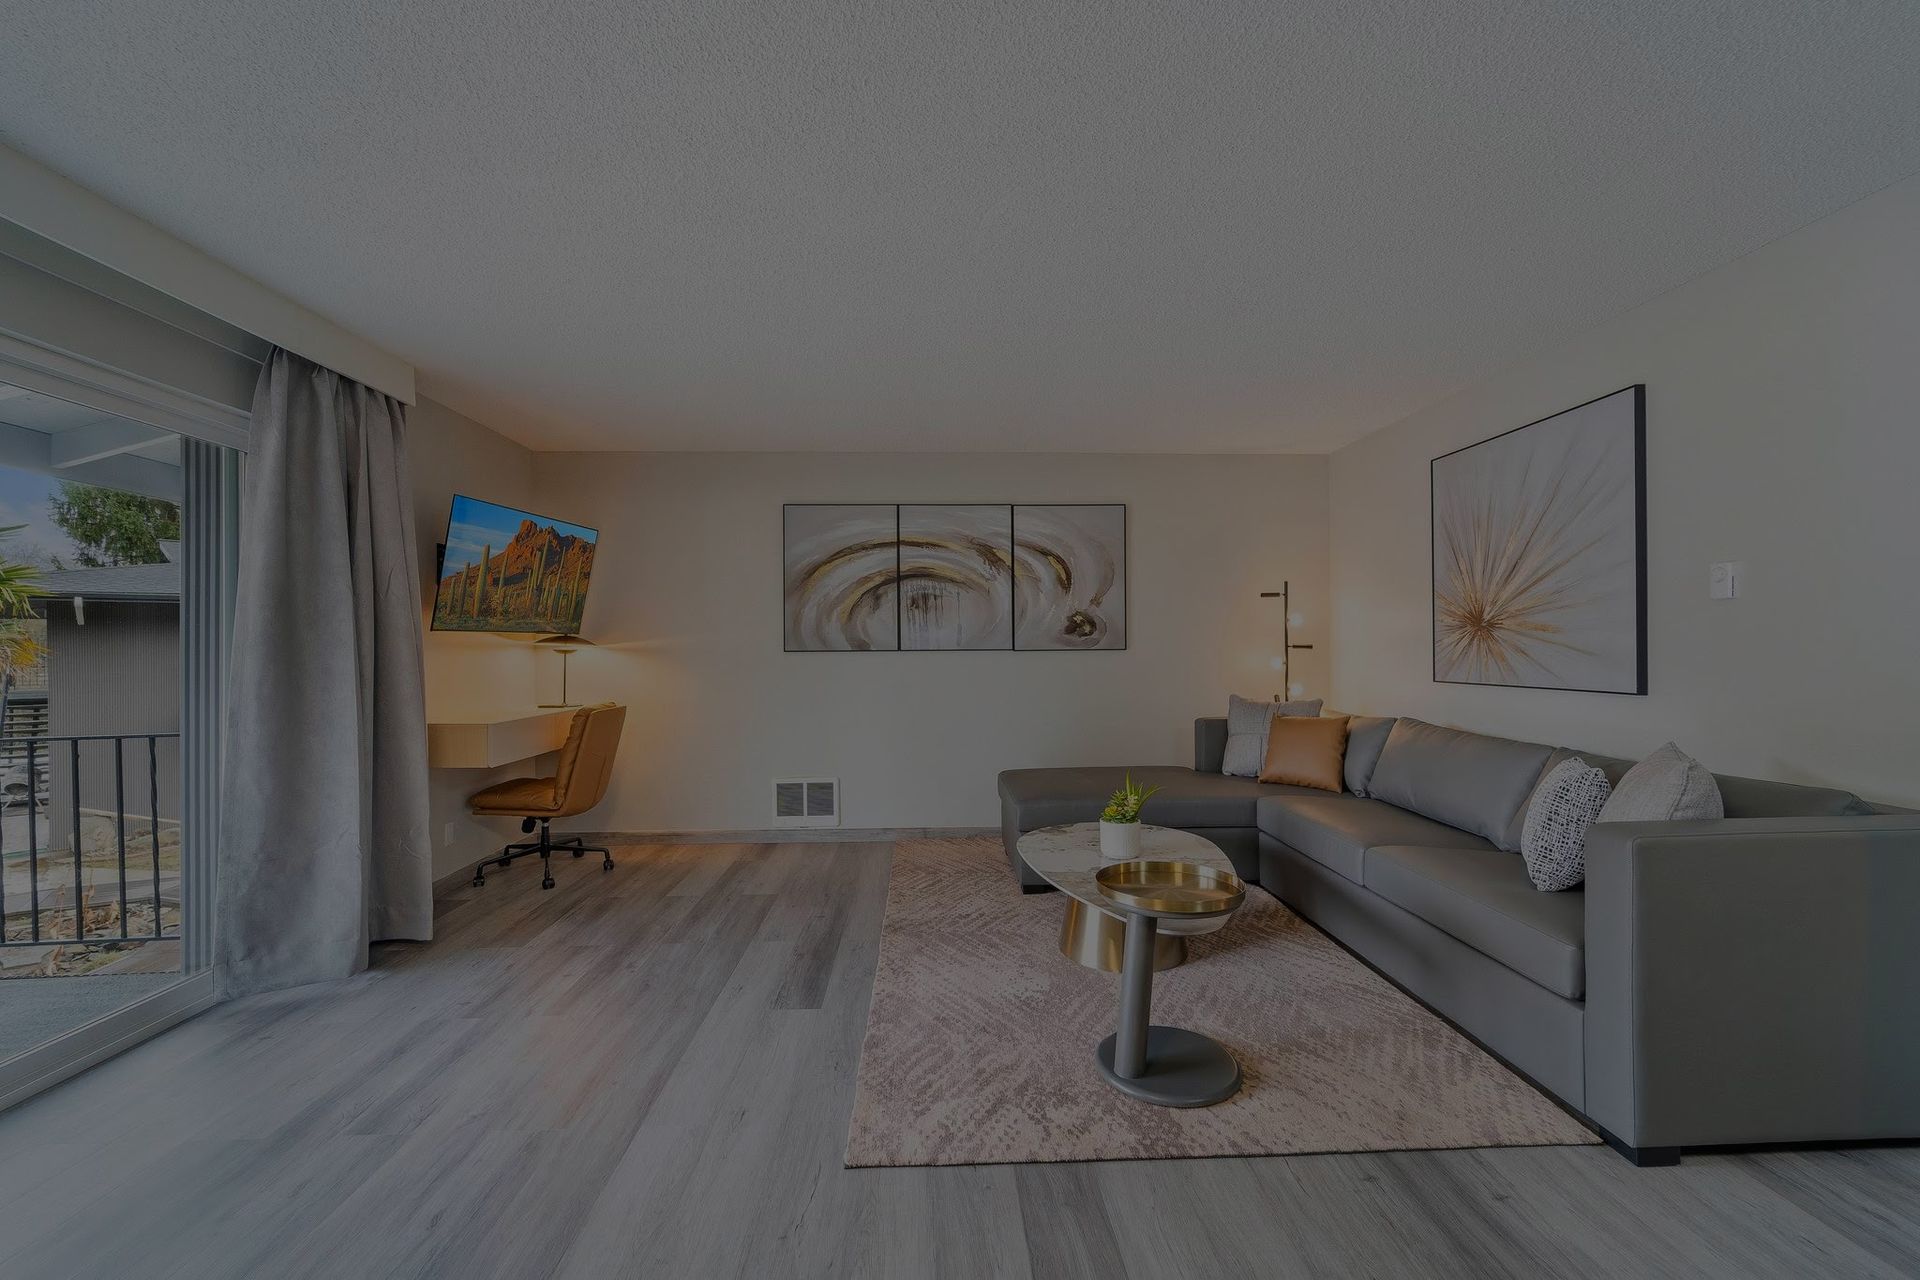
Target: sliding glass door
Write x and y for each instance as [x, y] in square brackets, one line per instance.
[115, 572]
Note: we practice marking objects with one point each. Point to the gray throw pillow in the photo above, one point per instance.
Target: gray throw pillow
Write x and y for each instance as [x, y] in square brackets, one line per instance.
[1668, 786]
[1248, 722]
[1554, 841]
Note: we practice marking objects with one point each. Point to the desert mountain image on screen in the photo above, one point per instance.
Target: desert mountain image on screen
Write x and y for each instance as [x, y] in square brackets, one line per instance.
[536, 582]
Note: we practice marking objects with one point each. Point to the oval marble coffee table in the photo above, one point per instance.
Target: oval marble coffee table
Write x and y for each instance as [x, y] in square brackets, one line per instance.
[1094, 931]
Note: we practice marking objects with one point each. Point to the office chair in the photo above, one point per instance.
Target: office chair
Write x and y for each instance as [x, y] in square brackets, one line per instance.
[586, 762]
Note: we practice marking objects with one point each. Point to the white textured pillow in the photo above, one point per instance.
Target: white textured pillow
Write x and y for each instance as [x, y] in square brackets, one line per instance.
[1668, 786]
[1554, 839]
[1248, 723]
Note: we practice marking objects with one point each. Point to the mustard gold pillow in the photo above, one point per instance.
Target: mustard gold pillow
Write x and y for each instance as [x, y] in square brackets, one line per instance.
[1307, 753]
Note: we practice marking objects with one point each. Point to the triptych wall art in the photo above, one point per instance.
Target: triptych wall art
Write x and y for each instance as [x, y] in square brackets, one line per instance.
[1539, 553]
[950, 576]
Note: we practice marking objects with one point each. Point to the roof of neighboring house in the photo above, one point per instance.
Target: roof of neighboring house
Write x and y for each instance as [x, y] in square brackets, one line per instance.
[115, 582]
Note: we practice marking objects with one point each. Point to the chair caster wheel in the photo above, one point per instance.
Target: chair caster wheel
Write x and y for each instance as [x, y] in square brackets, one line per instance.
[579, 853]
[479, 882]
[606, 866]
[547, 883]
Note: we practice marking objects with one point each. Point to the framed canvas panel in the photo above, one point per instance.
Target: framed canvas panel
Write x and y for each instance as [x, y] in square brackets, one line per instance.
[1539, 553]
[956, 576]
[840, 576]
[1070, 576]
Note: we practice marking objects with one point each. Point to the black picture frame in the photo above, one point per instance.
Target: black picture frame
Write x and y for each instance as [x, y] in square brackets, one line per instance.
[1126, 579]
[781, 619]
[1639, 470]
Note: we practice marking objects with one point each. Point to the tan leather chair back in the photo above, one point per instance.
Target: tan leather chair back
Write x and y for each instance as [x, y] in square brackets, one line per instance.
[586, 758]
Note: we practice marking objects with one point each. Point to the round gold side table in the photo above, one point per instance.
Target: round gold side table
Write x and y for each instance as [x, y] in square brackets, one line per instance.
[1167, 1066]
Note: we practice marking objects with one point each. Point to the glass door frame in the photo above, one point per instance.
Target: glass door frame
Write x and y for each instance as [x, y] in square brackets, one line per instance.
[211, 461]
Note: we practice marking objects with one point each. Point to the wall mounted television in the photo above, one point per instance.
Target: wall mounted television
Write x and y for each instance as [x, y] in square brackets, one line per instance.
[504, 569]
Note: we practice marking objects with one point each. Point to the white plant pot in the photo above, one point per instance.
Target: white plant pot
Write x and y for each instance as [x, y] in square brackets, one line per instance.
[1119, 841]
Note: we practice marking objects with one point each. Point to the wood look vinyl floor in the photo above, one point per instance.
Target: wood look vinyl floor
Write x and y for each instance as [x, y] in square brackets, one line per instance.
[648, 1072]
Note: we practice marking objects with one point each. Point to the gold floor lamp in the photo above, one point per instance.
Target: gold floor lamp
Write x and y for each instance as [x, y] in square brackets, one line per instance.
[1288, 621]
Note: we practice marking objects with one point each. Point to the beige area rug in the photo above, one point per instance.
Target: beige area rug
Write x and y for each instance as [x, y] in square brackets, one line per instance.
[980, 1040]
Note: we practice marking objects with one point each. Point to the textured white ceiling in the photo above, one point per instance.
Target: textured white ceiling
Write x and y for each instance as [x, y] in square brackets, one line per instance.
[946, 225]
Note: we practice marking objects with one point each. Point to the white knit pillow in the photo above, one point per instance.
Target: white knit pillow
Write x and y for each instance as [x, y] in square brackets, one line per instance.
[1554, 838]
[1248, 723]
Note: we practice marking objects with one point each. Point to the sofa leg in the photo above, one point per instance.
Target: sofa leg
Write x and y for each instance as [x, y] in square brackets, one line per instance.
[1652, 1157]
[1644, 1157]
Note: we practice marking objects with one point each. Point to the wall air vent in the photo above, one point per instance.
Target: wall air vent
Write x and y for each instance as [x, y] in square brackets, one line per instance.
[806, 802]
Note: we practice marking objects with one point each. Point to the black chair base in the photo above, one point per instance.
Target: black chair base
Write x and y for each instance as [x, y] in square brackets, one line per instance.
[546, 846]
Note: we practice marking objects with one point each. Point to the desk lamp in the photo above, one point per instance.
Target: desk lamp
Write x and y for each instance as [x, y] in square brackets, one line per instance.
[563, 645]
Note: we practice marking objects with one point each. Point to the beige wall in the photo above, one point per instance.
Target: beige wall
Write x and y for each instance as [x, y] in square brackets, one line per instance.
[450, 454]
[1783, 430]
[685, 605]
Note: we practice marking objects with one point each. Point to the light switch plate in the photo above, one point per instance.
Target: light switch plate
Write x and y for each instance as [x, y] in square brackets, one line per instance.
[1723, 579]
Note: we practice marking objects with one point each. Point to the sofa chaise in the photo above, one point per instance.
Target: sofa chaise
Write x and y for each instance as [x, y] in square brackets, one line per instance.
[1749, 980]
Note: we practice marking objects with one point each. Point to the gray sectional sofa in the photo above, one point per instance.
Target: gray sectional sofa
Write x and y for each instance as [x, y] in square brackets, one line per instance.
[1749, 980]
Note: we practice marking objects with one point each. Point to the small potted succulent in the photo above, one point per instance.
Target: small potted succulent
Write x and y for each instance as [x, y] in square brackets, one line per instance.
[1120, 822]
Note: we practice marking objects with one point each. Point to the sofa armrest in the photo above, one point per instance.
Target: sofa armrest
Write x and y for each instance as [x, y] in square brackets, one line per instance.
[1209, 744]
[1754, 980]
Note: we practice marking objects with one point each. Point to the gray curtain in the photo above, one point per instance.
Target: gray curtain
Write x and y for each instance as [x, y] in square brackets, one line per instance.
[323, 841]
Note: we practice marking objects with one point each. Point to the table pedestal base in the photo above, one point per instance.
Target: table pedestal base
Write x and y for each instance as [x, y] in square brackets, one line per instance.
[1167, 1066]
[1184, 1069]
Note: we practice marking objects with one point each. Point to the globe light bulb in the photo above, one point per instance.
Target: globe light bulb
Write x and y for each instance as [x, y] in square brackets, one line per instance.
[1277, 662]
[1296, 619]
[1296, 689]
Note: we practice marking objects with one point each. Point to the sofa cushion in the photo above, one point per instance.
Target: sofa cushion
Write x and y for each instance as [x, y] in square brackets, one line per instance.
[1049, 797]
[1483, 898]
[1742, 797]
[1466, 780]
[1336, 831]
[1366, 735]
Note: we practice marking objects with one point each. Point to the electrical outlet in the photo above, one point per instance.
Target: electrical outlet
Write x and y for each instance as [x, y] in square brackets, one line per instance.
[446, 836]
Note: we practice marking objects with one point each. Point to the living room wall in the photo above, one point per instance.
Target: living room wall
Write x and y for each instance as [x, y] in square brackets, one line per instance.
[685, 608]
[1782, 432]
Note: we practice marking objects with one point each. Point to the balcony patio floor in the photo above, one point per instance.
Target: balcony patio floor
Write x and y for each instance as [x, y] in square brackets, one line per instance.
[35, 1010]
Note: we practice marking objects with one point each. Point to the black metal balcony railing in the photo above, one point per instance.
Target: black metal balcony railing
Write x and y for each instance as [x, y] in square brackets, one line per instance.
[54, 921]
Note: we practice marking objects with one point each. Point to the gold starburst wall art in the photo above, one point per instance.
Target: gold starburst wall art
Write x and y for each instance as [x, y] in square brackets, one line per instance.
[1539, 553]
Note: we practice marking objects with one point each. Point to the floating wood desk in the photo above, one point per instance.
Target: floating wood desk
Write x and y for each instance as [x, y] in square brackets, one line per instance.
[487, 740]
